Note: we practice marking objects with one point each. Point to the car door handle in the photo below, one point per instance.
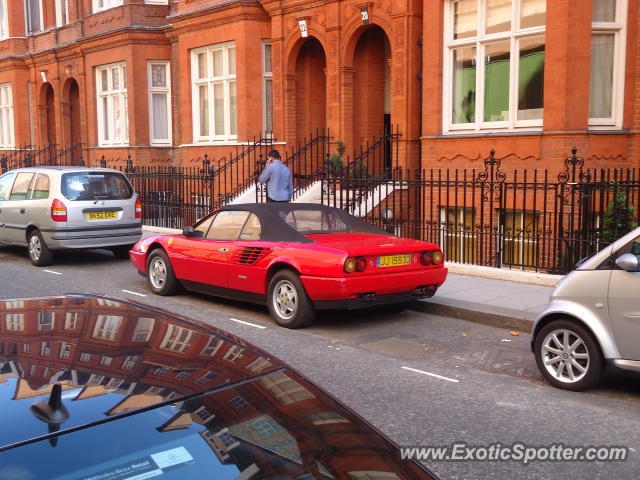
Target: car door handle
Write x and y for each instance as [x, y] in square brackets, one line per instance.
[223, 250]
[22, 210]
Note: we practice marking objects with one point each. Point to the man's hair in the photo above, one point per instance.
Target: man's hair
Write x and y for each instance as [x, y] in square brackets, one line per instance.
[274, 154]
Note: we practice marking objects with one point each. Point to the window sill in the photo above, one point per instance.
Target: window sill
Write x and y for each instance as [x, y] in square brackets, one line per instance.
[490, 133]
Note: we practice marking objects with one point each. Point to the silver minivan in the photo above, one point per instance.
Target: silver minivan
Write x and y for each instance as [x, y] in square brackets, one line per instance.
[593, 318]
[55, 208]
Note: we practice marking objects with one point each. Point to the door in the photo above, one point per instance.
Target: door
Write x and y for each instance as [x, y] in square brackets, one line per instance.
[204, 260]
[624, 305]
[15, 215]
[6, 181]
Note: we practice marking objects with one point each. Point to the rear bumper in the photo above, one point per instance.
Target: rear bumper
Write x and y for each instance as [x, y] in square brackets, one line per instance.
[370, 290]
[62, 238]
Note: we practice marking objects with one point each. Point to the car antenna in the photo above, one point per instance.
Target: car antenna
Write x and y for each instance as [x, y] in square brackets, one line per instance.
[52, 411]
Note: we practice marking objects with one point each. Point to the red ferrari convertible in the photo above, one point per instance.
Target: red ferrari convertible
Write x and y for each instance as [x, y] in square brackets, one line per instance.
[297, 258]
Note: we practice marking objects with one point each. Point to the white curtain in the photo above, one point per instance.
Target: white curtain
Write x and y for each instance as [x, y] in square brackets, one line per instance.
[604, 10]
[601, 87]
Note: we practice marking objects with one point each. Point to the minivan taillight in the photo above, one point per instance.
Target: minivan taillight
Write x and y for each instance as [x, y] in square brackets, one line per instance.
[138, 208]
[58, 211]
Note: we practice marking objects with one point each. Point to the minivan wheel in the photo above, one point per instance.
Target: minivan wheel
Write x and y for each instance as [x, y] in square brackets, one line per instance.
[39, 254]
[160, 276]
[288, 302]
[568, 355]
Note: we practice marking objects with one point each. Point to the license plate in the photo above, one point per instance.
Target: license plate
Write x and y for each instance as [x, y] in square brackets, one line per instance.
[101, 215]
[394, 260]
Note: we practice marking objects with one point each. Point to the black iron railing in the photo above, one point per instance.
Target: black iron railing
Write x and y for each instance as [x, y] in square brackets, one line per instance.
[29, 156]
[541, 220]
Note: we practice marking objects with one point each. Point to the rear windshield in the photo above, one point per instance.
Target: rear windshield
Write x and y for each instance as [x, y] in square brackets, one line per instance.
[96, 186]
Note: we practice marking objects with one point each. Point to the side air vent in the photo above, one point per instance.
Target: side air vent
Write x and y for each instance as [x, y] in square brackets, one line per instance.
[249, 255]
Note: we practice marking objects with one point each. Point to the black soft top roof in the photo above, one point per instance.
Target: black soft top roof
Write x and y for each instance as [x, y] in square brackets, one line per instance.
[275, 229]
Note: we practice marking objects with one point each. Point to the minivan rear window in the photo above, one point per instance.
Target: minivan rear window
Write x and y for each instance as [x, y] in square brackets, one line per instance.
[96, 186]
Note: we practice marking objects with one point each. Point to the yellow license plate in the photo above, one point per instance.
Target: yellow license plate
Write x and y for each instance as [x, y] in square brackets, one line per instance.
[101, 215]
[394, 260]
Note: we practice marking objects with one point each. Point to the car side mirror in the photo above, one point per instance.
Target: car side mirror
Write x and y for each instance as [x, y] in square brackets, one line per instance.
[628, 262]
[191, 232]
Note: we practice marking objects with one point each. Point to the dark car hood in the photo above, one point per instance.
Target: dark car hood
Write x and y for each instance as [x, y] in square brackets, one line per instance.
[143, 386]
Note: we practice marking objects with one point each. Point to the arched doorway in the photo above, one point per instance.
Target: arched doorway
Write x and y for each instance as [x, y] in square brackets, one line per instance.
[372, 77]
[47, 115]
[73, 118]
[311, 87]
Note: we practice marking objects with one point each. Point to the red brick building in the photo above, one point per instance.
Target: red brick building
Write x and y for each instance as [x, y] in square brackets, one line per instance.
[166, 83]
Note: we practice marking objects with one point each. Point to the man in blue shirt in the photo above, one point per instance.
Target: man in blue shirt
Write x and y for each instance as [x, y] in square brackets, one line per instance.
[277, 177]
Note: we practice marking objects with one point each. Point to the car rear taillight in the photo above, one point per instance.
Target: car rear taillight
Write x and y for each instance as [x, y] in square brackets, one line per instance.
[350, 265]
[138, 208]
[58, 211]
[361, 264]
[434, 257]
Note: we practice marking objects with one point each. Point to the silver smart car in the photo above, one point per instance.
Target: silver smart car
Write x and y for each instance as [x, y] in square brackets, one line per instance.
[54, 208]
[593, 317]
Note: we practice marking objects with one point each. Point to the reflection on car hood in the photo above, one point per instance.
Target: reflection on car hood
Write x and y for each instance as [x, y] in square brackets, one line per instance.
[146, 382]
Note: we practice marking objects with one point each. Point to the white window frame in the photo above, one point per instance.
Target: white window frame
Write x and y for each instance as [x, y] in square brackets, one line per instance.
[4, 21]
[85, 357]
[177, 339]
[108, 138]
[105, 361]
[267, 75]
[166, 90]
[65, 349]
[45, 348]
[144, 328]
[71, 320]
[15, 322]
[619, 29]
[62, 15]
[26, 348]
[46, 320]
[102, 5]
[225, 79]
[7, 139]
[212, 346]
[130, 362]
[234, 353]
[14, 304]
[107, 327]
[478, 41]
[27, 18]
[284, 388]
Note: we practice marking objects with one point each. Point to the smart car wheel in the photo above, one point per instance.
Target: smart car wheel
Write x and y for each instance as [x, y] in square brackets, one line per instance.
[39, 254]
[288, 302]
[160, 276]
[568, 355]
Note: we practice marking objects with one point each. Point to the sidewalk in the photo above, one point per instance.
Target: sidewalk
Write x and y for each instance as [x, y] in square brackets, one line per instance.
[499, 301]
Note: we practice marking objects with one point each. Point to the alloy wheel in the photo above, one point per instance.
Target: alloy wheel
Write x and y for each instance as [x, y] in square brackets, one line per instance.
[35, 247]
[158, 273]
[565, 356]
[285, 299]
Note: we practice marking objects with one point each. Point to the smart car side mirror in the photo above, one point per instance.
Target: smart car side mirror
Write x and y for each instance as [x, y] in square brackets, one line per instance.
[191, 232]
[628, 262]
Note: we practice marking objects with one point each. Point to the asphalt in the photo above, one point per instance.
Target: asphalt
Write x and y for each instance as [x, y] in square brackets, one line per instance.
[491, 296]
[503, 298]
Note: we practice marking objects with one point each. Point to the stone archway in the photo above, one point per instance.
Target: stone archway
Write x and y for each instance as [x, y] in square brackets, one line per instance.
[310, 89]
[371, 77]
[71, 113]
[47, 115]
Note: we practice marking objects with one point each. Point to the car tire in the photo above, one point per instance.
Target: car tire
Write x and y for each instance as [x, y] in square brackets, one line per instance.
[121, 251]
[160, 276]
[568, 355]
[39, 253]
[288, 302]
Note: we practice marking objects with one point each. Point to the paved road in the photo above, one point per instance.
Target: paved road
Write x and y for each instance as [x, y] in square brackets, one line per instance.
[423, 380]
